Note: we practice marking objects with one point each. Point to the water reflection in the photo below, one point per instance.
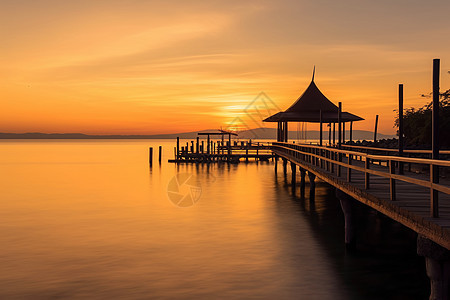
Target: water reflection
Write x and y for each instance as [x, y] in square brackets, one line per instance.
[93, 220]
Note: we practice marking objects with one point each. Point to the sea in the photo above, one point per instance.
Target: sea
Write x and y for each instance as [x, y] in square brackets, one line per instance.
[92, 219]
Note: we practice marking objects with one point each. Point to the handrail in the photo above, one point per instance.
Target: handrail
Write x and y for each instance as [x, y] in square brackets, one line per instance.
[296, 151]
[443, 163]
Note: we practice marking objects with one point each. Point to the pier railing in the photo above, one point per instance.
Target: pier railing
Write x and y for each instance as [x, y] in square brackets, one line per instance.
[388, 166]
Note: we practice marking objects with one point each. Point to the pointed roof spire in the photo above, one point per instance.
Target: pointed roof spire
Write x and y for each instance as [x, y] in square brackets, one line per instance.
[314, 72]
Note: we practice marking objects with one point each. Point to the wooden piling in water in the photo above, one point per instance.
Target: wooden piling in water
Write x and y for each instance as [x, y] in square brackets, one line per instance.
[160, 154]
[150, 156]
[178, 147]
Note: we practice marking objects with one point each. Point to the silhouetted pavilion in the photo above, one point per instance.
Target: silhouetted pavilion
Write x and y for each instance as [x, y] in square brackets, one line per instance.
[312, 107]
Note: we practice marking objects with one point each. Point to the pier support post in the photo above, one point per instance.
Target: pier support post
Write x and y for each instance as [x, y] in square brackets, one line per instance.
[312, 185]
[347, 208]
[284, 166]
[437, 261]
[312, 182]
[302, 178]
[293, 169]
[276, 163]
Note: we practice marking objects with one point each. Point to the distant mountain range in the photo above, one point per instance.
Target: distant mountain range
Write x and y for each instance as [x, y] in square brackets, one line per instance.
[257, 133]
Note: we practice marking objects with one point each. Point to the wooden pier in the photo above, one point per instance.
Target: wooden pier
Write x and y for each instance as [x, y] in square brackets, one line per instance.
[418, 200]
[216, 151]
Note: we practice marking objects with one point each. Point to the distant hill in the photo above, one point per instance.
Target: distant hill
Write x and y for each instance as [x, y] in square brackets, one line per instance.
[257, 133]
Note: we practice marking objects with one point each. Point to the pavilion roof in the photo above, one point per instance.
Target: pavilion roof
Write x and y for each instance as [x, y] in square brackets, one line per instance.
[308, 106]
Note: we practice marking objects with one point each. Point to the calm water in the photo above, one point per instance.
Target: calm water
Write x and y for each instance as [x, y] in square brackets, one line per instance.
[91, 219]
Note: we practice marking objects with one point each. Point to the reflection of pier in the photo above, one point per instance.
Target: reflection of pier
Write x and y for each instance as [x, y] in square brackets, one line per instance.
[220, 150]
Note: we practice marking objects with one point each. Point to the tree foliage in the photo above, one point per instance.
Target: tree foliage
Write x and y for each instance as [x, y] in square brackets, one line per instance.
[417, 123]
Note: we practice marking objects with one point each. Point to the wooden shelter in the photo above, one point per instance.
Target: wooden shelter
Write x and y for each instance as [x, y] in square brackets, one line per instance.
[312, 107]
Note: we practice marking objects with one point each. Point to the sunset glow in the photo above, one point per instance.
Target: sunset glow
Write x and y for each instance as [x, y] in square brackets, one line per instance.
[148, 67]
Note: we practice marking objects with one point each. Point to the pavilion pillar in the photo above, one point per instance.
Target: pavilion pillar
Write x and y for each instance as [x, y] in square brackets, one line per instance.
[321, 132]
[329, 134]
[286, 132]
[351, 132]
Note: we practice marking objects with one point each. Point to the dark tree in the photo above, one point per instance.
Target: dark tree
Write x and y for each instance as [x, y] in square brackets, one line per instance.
[417, 123]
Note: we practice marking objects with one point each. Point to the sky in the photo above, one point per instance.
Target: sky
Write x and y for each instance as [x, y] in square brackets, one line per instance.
[149, 67]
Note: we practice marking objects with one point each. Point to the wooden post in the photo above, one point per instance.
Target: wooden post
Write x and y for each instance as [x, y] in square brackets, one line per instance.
[351, 132]
[366, 174]
[257, 152]
[178, 147]
[160, 154]
[207, 145]
[400, 127]
[229, 147]
[349, 170]
[246, 154]
[150, 156]
[392, 180]
[434, 170]
[320, 117]
[339, 138]
[198, 146]
[375, 131]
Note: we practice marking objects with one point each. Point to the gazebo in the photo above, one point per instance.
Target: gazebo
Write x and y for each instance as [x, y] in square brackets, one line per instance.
[312, 107]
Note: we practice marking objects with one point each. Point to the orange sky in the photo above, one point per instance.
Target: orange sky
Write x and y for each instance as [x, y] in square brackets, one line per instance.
[144, 67]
